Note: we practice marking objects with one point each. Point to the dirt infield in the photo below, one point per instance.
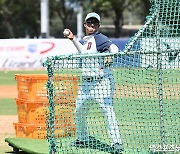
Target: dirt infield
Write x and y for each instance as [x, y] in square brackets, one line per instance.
[6, 130]
[8, 91]
[132, 91]
[6, 121]
[147, 91]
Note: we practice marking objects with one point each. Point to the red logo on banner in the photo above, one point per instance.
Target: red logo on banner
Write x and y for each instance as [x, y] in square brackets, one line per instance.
[49, 48]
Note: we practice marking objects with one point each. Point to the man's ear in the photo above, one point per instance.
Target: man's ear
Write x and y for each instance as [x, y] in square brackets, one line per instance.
[85, 25]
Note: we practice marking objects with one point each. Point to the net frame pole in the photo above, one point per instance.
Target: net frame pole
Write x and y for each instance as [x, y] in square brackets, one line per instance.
[51, 117]
[160, 81]
[139, 33]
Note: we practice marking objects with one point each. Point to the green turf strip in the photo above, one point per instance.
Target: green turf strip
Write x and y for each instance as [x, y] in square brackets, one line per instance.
[8, 106]
[33, 146]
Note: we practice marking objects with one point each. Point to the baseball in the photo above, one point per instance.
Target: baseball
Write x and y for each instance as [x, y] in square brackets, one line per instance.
[66, 32]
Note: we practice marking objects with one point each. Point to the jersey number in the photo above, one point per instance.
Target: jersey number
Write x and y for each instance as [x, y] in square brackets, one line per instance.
[89, 45]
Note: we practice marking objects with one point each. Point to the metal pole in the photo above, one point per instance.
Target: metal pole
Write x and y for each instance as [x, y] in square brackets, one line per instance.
[80, 22]
[44, 18]
[51, 115]
[160, 81]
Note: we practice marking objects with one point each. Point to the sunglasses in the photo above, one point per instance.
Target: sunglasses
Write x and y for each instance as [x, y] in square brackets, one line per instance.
[93, 21]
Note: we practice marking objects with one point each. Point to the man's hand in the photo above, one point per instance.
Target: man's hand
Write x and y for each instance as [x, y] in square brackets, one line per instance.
[70, 36]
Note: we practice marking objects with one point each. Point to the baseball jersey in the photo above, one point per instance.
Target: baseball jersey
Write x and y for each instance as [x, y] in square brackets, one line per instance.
[92, 44]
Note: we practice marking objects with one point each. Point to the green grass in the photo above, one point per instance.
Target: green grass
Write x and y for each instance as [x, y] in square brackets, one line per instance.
[8, 77]
[139, 123]
[145, 76]
[8, 106]
[121, 75]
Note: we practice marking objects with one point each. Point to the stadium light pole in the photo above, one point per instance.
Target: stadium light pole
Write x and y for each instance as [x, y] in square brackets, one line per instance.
[79, 22]
[44, 18]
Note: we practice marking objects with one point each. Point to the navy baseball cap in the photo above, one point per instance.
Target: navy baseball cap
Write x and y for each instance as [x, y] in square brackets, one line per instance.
[93, 15]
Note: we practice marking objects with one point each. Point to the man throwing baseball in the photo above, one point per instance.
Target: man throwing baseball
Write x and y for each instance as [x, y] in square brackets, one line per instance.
[98, 83]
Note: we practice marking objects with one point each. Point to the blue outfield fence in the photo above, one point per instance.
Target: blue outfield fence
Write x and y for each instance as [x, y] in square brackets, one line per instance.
[127, 60]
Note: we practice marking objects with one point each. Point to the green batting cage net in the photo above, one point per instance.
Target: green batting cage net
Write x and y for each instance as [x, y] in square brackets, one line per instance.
[129, 105]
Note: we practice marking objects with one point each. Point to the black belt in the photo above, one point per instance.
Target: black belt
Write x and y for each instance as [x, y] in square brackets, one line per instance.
[91, 78]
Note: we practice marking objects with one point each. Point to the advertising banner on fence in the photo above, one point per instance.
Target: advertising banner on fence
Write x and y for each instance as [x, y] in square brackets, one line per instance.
[31, 53]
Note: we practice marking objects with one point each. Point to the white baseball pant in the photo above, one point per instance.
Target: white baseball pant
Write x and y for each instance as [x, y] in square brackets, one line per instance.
[102, 92]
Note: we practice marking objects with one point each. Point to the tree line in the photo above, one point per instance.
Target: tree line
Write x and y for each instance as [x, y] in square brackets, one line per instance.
[21, 18]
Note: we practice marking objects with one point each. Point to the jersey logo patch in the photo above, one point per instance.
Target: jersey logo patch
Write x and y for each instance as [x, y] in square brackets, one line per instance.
[89, 45]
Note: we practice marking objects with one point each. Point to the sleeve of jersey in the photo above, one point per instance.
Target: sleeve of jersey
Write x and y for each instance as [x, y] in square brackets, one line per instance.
[102, 42]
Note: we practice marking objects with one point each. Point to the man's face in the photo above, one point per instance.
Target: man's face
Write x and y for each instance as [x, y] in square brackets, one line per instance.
[91, 26]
